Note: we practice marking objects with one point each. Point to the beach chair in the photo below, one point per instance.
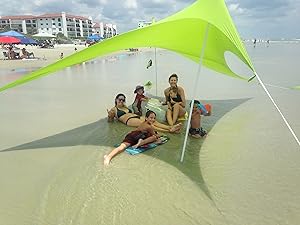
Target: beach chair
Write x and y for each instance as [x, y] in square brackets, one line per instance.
[17, 55]
[5, 55]
[31, 55]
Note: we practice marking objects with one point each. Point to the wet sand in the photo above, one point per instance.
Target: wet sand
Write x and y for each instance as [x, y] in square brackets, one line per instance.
[54, 135]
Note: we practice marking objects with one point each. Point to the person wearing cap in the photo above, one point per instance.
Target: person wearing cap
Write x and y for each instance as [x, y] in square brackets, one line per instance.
[139, 98]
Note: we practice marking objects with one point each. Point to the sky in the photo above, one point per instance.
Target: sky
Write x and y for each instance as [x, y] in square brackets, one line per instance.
[260, 19]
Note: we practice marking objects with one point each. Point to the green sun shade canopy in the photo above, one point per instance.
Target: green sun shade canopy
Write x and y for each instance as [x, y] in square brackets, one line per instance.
[182, 32]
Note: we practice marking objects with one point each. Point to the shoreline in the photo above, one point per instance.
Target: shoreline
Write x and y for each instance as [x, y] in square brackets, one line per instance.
[46, 56]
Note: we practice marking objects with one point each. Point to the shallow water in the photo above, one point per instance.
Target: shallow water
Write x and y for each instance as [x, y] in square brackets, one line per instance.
[54, 135]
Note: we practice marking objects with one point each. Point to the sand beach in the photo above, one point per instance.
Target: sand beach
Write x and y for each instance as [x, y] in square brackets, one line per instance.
[54, 134]
[44, 56]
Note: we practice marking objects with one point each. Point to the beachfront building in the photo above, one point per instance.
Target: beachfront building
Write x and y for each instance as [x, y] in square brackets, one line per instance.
[69, 25]
[110, 30]
[24, 23]
[97, 28]
[105, 30]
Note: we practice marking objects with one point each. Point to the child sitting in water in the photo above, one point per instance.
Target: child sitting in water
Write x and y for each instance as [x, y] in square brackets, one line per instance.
[139, 98]
[144, 134]
[173, 97]
[196, 130]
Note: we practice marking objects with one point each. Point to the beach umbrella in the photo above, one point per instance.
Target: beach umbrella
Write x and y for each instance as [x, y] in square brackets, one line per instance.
[21, 37]
[27, 40]
[9, 40]
[12, 33]
[94, 37]
[202, 32]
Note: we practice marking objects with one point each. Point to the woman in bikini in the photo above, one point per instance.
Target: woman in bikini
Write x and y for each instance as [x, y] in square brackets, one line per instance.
[122, 113]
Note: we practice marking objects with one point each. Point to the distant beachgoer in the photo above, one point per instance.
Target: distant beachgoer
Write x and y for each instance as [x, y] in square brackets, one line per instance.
[139, 98]
[75, 49]
[178, 109]
[121, 112]
[144, 134]
[11, 53]
[196, 130]
[61, 55]
[26, 54]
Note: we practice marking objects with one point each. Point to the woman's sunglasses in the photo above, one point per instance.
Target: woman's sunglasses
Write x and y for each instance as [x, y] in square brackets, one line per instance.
[121, 99]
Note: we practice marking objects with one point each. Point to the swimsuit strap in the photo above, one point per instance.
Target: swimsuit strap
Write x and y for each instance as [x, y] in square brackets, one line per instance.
[132, 118]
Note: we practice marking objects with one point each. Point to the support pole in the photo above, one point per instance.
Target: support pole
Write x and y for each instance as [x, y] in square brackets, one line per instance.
[155, 72]
[194, 92]
[274, 103]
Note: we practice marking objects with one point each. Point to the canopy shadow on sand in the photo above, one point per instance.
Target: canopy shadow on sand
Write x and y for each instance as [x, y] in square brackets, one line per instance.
[96, 134]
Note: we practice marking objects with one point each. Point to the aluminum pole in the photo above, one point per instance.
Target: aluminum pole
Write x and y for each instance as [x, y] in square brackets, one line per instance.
[194, 92]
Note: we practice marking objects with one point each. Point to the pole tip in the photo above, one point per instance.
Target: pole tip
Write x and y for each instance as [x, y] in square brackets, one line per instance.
[251, 78]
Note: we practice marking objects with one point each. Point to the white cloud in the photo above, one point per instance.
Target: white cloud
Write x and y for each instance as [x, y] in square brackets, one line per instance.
[234, 8]
[254, 18]
[130, 4]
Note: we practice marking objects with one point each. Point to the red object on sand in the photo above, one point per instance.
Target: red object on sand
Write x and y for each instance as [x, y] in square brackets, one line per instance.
[9, 40]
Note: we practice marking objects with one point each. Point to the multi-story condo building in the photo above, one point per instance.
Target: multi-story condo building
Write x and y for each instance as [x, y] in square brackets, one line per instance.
[69, 25]
[23, 23]
[105, 30]
[110, 30]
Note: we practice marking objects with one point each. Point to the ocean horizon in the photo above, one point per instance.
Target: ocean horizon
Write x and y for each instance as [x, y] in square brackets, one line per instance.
[54, 134]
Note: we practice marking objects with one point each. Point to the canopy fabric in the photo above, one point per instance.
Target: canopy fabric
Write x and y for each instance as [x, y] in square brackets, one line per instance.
[12, 33]
[182, 32]
[9, 40]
